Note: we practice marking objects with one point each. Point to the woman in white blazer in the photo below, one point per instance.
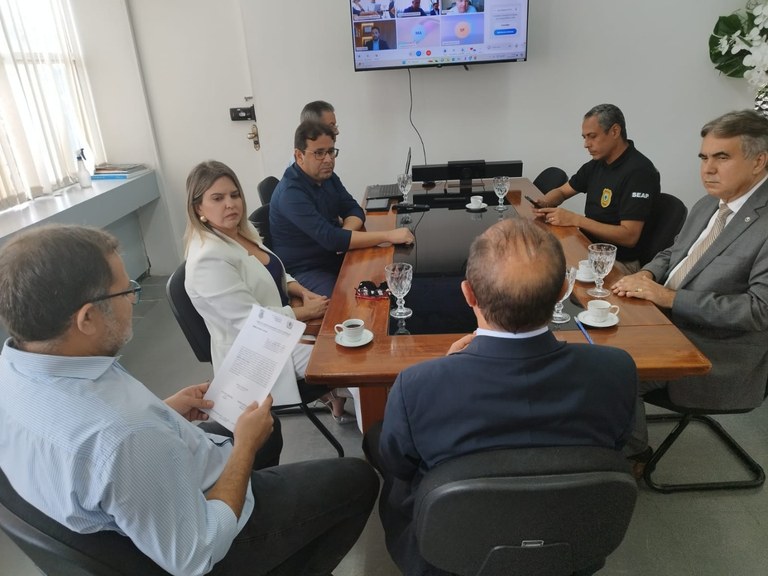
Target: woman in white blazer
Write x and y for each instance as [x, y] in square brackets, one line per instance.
[229, 270]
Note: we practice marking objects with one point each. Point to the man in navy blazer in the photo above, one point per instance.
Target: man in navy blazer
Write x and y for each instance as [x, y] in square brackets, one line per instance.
[512, 383]
[721, 303]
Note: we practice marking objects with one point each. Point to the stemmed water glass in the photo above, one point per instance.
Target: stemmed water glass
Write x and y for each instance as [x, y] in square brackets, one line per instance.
[601, 259]
[560, 317]
[500, 188]
[404, 183]
[399, 276]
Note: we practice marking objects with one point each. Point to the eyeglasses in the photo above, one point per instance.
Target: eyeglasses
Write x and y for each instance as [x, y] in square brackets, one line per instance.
[321, 154]
[134, 291]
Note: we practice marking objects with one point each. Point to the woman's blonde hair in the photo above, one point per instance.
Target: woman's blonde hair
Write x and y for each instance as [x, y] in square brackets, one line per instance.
[199, 181]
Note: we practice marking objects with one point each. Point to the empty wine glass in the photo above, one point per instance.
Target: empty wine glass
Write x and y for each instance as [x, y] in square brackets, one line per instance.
[560, 317]
[500, 188]
[399, 276]
[601, 259]
[404, 183]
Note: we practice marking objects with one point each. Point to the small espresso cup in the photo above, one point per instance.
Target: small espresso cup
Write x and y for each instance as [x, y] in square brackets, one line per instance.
[476, 201]
[600, 309]
[351, 330]
[585, 270]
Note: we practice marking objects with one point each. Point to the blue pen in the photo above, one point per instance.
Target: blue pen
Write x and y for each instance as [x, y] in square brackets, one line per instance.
[583, 330]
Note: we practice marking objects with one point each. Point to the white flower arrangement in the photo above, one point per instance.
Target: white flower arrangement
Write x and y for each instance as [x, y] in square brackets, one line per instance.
[738, 46]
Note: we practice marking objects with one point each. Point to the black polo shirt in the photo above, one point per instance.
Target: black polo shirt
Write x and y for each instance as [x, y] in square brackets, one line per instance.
[625, 189]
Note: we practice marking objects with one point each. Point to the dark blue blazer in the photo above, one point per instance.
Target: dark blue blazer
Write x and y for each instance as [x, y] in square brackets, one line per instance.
[495, 393]
[502, 392]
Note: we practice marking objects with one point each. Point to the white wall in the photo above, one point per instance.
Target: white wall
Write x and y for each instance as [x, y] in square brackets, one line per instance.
[195, 69]
[197, 57]
[164, 75]
[650, 58]
[115, 76]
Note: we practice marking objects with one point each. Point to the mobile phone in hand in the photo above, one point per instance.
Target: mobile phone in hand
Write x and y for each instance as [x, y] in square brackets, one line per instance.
[536, 203]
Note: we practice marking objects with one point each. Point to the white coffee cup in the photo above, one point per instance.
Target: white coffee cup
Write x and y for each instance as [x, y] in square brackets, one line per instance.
[351, 330]
[476, 201]
[585, 269]
[599, 310]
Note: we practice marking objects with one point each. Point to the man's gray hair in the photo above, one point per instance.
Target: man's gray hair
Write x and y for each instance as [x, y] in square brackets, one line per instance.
[751, 126]
[47, 274]
[314, 110]
[607, 115]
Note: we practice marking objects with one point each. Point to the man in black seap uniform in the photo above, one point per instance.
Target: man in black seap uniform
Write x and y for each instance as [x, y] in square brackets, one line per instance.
[621, 185]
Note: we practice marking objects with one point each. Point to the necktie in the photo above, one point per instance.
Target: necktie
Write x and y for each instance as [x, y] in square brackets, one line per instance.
[698, 251]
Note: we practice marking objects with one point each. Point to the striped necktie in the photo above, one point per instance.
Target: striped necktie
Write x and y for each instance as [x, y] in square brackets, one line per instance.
[698, 251]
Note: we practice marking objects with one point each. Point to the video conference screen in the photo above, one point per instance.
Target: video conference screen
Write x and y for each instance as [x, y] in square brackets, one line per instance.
[416, 33]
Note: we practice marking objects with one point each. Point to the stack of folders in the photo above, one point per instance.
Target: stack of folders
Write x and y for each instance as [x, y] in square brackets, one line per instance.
[118, 171]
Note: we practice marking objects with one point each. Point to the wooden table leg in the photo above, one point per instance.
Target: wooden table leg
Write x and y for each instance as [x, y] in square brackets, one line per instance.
[372, 402]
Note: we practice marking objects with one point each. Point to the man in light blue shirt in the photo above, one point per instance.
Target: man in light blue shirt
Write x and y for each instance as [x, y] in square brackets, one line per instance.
[91, 447]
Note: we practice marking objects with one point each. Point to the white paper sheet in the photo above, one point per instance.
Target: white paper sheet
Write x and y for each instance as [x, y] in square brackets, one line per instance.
[253, 364]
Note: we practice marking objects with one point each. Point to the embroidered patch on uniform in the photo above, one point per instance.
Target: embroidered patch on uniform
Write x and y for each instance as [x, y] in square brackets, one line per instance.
[605, 199]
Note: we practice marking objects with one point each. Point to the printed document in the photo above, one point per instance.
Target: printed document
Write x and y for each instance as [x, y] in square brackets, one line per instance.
[253, 364]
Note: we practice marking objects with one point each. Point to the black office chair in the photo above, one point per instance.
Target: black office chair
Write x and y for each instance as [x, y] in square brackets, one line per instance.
[550, 178]
[265, 189]
[58, 551]
[554, 511]
[667, 218]
[685, 415]
[260, 219]
[194, 329]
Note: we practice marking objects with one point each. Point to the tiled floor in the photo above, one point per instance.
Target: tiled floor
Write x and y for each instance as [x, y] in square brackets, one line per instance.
[695, 534]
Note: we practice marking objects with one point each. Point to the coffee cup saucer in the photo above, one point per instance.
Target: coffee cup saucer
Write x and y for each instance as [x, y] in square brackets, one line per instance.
[473, 208]
[366, 338]
[585, 277]
[586, 318]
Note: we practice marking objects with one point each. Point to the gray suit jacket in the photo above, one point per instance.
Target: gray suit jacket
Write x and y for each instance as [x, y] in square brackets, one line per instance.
[722, 305]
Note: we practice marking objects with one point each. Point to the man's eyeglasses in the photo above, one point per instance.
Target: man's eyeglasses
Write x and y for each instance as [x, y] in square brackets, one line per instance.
[321, 154]
[134, 291]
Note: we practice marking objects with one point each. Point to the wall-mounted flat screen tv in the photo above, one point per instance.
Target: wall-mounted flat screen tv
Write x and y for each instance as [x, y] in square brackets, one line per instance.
[418, 33]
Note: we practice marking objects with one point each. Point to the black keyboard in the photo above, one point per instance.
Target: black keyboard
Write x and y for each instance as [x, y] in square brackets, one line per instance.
[383, 191]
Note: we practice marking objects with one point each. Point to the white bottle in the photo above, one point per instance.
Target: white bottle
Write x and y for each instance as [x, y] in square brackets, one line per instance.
[83, 176]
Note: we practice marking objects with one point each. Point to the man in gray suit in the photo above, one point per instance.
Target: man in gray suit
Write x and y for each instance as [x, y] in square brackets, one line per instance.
[713, 280]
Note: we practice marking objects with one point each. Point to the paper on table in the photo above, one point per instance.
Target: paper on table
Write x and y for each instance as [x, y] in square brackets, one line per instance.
[252, 364]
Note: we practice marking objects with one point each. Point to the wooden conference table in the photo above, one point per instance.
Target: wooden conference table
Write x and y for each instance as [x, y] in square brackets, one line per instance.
[659, 349]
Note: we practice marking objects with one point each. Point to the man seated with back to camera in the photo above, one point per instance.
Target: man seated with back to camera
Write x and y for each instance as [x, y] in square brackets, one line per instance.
[92, 448]
[713, 280]
[621, 185]
[313, 219]
[511, 384]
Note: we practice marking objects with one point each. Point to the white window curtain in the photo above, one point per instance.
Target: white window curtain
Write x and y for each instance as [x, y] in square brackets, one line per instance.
[46, 110]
